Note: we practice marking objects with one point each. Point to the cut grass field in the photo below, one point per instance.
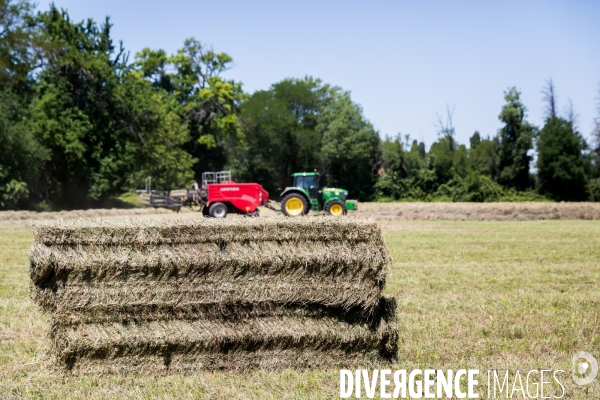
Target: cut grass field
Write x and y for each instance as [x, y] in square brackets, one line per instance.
[474, 295]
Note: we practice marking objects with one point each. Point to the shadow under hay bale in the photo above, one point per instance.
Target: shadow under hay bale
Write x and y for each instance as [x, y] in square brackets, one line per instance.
[177, 295]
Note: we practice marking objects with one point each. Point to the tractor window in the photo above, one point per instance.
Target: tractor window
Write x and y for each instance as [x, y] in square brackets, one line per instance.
[307, 181]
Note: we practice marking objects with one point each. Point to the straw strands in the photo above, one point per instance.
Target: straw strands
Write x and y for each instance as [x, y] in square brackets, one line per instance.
[176, 295]
[93, 213]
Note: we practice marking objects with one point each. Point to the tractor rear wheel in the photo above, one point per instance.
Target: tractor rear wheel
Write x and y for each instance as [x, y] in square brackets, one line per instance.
[336, 207]
[294, 205]
[218, 210]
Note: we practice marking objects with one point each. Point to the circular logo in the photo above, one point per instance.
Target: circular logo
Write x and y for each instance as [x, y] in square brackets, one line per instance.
[585, 368]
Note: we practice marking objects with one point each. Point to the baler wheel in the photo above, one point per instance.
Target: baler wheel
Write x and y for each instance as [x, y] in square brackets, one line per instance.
[218, 210]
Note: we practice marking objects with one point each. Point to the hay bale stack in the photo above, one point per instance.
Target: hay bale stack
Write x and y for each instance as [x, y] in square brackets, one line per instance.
[178, 295]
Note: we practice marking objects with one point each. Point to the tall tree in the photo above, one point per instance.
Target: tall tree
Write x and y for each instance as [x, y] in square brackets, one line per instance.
[350, 146]
[280, 131]
[17, 44]
[562, 166]
[208, 104]
[515, 141]
[78, 116]
[302, 124]
[441, 159]
[446, 128]
[594, 185]
[549, 97]
[482, 155]
[21, 154]
[96, 117]
[596, 132]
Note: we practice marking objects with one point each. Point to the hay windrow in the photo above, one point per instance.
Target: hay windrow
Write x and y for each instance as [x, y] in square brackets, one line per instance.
[214, 293]
[75, 214]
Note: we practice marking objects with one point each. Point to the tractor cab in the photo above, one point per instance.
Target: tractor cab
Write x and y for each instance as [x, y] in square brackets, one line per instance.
[309, 181]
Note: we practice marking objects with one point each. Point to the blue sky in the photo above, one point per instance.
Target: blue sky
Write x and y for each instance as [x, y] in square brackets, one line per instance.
[403, 61]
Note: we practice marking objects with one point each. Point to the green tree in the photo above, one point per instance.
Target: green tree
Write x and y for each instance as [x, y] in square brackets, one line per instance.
[482, 155]
[97, 118]
[208, 104]
[160, 154]
[562, 167]
[280, 131]
[17, 44]
[515, 141]
[303, 124]
[350, 146]
[21, 157]
[475, 140]
[596, 139]
[441, 159]
[77, 114]
[403, 174]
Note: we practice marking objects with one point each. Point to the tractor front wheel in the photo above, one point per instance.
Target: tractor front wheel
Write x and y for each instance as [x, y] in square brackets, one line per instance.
[336, 207]
[294, 205]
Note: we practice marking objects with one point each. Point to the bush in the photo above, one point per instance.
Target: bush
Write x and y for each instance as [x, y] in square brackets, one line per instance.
[593, 189]
[473, 188]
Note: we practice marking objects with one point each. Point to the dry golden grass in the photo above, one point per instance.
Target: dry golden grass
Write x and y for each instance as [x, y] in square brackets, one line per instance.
[488, 295]
[479, 211]
[93, 213]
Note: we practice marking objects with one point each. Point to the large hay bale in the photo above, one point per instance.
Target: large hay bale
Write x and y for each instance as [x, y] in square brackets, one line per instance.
[153, 295]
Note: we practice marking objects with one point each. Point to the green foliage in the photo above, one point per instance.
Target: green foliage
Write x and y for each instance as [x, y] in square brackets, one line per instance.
[302, 125]
[350, 146]
[22, 155]
[515, 141]
[102, 124]
[164, 134]
[131, 198]
[473, 188]
[280, 130]
[593, 188]
[206, 103]
[483, 154]
[449, 172]
[481, 188]
[79, 114]
[562, 167]
[16, 36]
[80, 124]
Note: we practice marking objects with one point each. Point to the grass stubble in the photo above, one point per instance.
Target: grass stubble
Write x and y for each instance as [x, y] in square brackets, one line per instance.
[474, 295]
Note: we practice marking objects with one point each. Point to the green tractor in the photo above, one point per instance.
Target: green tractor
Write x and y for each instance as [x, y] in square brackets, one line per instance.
[306, 195]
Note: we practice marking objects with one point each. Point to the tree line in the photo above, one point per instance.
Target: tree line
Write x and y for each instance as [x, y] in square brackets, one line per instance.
[81, 121]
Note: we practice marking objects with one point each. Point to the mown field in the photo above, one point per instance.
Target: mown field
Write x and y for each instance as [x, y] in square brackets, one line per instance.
[517, 295]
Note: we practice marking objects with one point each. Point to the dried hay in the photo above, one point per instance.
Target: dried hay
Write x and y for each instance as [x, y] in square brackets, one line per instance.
[75, 214]
[235, 361]
[445, 211]
[178, 295]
